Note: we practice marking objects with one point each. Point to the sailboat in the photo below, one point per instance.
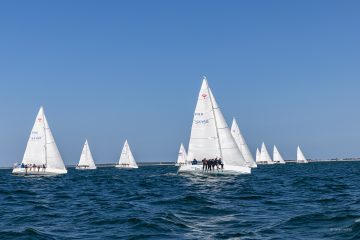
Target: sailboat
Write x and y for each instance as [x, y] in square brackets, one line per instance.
[258, 156]
[181, 156]
[243, 147]
[277, 156]
[211, 137]
[265, 156]
[86, 159]
[300, 158]
[127, 159]
[41, 156]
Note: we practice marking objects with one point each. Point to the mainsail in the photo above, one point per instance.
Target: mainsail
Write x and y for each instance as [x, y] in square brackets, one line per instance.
[127, 159]
[210, 135]
[86, 158]
[300, 158]
[258, 156]
[41, 148]
[182, 156]
[265, 156]
[241, 143]
[277, 156]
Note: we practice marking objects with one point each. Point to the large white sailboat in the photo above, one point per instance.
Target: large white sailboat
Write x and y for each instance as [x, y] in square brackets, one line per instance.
[300, 158]
[241, 143]
[277, 156]
[41, 156]
[211, 137]
[182, 156]
[86, 159]
[265, 156]
[127, 159]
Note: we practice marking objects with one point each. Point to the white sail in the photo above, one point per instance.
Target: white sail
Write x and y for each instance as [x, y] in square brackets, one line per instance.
[277, 156]
[182, 156]
[258, 156]
[241, 143]
[300, 158]
[127, 159]
[210, 135]
[41, 149]
[86, 158]
[265, 156]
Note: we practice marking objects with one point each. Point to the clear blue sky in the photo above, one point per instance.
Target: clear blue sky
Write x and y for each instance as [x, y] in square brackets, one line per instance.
[110, 70]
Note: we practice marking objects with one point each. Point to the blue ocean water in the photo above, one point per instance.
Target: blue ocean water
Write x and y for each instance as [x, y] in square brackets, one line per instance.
[306, 201]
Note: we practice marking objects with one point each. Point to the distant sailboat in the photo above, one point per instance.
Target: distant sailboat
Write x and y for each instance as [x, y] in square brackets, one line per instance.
[211, 137]
[181, 156]
[127, 159]
[258, 156]
[300, 158]
[86, 159]
[41, 156]
[265, 156]
[240, 141]
[277, 156]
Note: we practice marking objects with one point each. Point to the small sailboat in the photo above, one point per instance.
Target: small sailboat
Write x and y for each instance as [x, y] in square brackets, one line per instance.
[181, 156]
[41, 156]
[241, 143]
[300, 158]
[86, 159]
[127, 159]
[277, 156]
[211, 138]
[265, 156]
[258, 156]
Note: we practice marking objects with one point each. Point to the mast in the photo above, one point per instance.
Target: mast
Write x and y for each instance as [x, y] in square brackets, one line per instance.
[45, 147]
[213, 112]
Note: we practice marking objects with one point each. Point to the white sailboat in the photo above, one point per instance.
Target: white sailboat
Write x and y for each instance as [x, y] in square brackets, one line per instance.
[265, 156]
[41, 156]
[300, 158]
[182, 156]
[127, 159]
[211, 137]
[258, 156]
[277, 156]
[241, 143]
[86, 159]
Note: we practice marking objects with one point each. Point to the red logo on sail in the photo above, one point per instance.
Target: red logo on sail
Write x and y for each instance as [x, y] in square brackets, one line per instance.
[39, 119]
[204, 95]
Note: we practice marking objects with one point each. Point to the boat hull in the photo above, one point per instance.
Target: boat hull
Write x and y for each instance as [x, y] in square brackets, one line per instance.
[227, 169]
[85, 168]
[126, 167]
[35, 172]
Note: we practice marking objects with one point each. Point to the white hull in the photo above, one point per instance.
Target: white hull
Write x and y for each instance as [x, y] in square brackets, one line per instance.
[227, 169]
[279, 162]
[36, 172]
[265, 163]
[301, 161]
[85, 168]
[126, 167]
